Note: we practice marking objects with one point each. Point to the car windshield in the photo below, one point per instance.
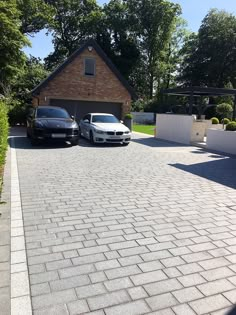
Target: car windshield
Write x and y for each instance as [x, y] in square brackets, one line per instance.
[52, 113]
[104, 119]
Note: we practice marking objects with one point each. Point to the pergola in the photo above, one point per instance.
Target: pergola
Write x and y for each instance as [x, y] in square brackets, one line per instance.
[197, 91]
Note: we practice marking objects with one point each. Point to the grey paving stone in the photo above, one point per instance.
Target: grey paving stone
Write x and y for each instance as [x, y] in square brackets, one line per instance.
[90, 290]
[231, 296]
[215, 287]
[122, 272]
[53, 298]
[118, 284]
[132, 308]
[209, 304]
[161, 301]
[137, 293]
[41, 288]
[68, 283]
[78, 307]
[74, 271]
[43, 277]
[183, 309]
[148, 277]
[53, 310]
[106, 300]
[187, 295]
[191, 280]
[162, 286]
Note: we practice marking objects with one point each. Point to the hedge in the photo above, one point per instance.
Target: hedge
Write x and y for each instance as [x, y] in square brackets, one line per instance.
[3, 134]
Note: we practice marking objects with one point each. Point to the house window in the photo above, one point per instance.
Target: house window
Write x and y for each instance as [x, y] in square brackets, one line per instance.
[89, 66]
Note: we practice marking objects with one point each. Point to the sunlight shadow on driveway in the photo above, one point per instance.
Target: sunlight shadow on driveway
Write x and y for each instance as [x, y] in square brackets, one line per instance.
[221, 171]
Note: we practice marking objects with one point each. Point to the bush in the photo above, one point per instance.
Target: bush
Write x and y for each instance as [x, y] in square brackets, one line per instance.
[224, 110]
[17, 113]
[215, 121]
[3, 133]
[128, 116]
[225, 121]
[231, 126]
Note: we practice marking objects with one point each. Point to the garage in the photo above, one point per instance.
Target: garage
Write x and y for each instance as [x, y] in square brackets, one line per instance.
[80, 108]
[86, 82]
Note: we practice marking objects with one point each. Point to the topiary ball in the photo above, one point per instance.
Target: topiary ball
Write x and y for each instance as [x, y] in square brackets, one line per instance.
[225, 121]
[214, 121]
[231, 126]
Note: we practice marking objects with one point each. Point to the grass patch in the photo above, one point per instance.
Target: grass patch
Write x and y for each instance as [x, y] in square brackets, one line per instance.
[148, 129]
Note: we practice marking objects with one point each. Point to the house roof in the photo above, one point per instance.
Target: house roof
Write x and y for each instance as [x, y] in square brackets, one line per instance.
[101, 53]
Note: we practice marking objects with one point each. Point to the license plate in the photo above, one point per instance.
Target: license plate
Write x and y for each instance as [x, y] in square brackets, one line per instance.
[114, 137]
[58, 135]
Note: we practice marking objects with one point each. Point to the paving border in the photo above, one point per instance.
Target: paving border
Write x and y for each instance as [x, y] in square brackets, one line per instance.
[20, 290]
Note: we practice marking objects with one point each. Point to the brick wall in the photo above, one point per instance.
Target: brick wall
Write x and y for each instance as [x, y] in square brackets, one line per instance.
[71, 83]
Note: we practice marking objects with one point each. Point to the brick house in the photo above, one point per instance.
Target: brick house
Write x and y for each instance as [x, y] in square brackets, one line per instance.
[86, 82]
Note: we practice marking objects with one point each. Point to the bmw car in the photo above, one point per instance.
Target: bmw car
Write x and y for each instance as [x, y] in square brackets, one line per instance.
[104, 128]
[52, 123]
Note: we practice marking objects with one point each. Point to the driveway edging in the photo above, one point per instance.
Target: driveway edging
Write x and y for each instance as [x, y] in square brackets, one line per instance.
[20, 290]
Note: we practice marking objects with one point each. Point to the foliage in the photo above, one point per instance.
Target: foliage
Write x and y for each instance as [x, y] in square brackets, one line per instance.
[215, 121]
[11, 43]
[231, 126]
[73, 22]
[138, 105]
[224, 110]
[35, 15]
[152, 22]
[128, 116]
[209, 56]
[3, 132]
[225, 121]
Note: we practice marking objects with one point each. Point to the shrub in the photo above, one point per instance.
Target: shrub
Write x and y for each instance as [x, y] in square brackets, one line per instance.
[231, 126]
[224, 110]
[3, 133]
[225, 121]
[215, 121]
[17, 113]
[128, 116]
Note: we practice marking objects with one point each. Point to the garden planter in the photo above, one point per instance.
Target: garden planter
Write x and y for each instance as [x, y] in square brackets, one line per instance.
[221, 140]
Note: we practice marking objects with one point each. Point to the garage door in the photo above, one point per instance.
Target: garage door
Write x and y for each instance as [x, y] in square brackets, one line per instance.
[81, 108]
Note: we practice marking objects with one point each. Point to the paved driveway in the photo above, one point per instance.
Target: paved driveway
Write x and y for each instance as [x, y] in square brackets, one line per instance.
[144, 229]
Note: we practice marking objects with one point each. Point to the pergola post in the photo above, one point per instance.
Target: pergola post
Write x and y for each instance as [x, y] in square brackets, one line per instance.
[234, 108]
[191, 99]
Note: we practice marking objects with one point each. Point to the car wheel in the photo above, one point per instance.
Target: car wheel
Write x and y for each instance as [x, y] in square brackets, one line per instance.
[74, 142]
[91, 137]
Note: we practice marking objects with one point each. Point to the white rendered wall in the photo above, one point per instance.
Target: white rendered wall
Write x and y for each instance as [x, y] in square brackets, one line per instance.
[176, 128]
[221, 140]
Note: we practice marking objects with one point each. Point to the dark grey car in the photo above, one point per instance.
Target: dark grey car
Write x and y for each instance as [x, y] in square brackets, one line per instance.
[51, 123]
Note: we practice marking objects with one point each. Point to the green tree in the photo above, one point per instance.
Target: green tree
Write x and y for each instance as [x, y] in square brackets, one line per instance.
[210, 56]
[35, 15]
[152, 22]
[12, 41]
[74, 21]
[225, 110]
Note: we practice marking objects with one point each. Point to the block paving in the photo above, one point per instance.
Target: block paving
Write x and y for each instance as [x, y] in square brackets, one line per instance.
[144, 229]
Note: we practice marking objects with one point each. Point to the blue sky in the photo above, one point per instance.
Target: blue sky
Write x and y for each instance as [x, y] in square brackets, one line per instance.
[193, 11]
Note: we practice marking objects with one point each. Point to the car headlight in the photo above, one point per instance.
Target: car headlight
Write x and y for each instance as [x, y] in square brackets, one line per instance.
[74, 125]
[98, 131]
[127, 132]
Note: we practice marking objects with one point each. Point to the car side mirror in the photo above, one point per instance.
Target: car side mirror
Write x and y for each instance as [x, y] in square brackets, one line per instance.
[86, 121]
[121, 121]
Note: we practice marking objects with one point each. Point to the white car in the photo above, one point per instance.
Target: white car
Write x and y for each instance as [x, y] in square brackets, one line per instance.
[104, 128]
